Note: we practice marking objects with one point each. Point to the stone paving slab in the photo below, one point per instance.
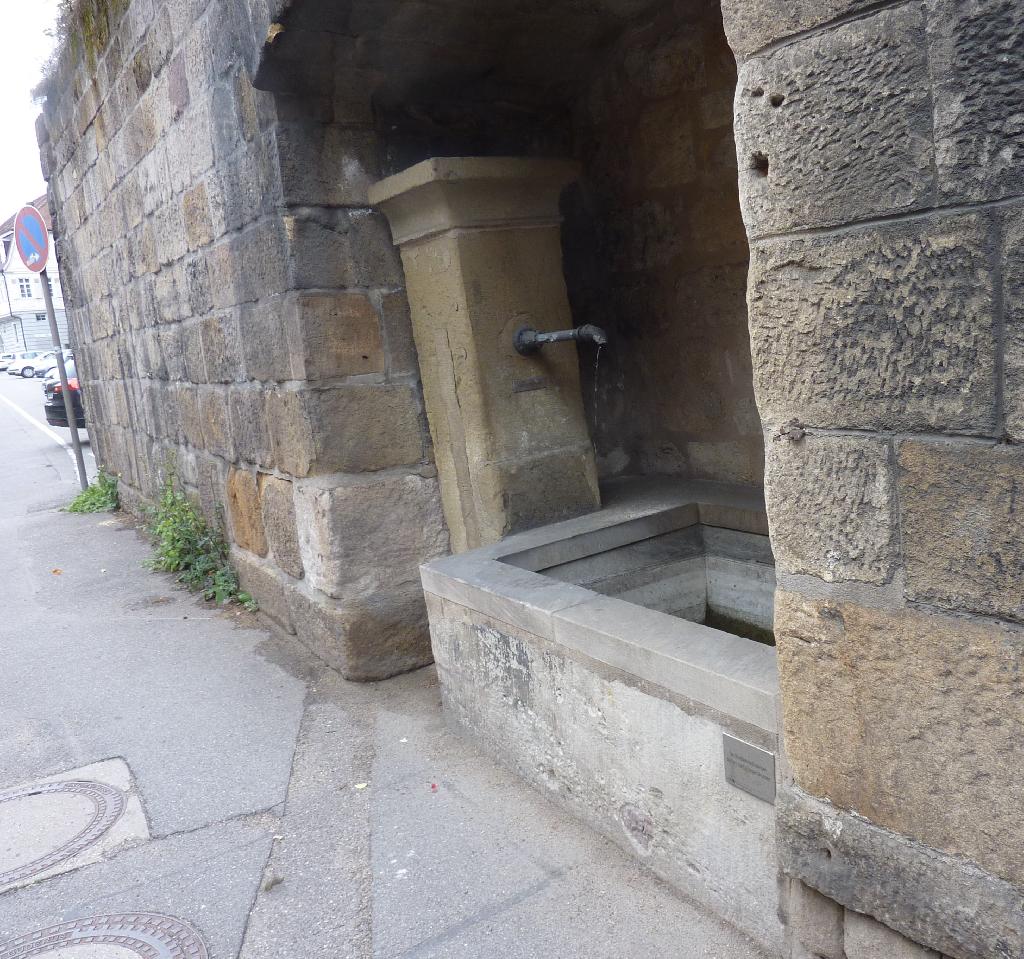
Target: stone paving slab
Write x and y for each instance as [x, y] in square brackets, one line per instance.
[207, 878]
[129, 664]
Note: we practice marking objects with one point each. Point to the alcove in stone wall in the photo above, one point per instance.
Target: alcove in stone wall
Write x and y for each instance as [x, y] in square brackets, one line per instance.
[654, 248]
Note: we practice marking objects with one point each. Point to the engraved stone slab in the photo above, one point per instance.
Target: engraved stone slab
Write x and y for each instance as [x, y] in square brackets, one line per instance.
[749, 768]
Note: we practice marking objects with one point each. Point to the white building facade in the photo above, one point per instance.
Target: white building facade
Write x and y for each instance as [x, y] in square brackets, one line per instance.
[23, 324]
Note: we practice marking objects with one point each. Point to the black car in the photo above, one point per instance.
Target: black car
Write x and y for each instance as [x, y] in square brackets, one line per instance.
[53, 404]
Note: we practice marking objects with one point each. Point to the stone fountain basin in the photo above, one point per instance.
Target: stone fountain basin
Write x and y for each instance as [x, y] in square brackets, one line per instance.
[632, 584]
[621, 711]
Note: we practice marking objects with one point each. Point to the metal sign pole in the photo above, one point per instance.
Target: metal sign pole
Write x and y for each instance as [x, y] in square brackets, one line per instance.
[62, 370]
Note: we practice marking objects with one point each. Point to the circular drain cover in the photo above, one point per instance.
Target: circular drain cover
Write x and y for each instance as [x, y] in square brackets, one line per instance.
[144, 934]
[107, 805]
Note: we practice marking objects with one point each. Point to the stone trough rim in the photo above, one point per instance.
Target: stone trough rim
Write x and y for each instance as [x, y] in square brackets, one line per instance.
[109, 803]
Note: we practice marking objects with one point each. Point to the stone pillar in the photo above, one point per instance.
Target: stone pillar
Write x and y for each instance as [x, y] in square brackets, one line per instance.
[480, 242]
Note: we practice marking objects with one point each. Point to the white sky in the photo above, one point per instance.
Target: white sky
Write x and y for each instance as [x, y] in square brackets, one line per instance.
[24, 47]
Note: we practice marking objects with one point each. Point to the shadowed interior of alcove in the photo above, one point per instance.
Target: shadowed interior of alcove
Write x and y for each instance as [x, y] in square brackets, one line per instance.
[640, 94]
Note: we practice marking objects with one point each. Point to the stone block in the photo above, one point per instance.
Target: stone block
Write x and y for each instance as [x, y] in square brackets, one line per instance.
[197, 133]
[326, 165]
[245, 511]
[350, 428]
[751, 26]
[943, 901]
[977, 62]
[151, 457]
[267, 586]
[149, 407]
[249, 103]
[177, 84]
[369, 534]
[1013, 307]
[366, 638]
[249, 430]
[149, 361]
[192, 349]
[509, 489]
[166, 412]
[867, 938]
[213, 409]
[159, 37]
[836, 126]
[350, 103]
[342, 248]
[963, 525]
[222, 348]
[264, 328]
[196, 278]
[154, 179]
[280, 524]
[228, 132]
[814, 923]
[832, 506]
[186, 398]
[890, 327]
[249, 265]
[246, 188]
[211, 486]
[910, 719]
[173, 352]
[339, 335]
[195, 211]
[142, 250]
[169, 229]
[397, 326]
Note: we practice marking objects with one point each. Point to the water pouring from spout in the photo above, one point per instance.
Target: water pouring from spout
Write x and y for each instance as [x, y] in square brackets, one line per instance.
[528, 341]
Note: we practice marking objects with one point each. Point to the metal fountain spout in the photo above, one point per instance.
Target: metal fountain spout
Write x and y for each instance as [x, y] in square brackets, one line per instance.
[528, 341]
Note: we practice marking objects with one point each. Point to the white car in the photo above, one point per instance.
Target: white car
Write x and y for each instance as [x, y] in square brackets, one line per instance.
[25, 362]
[5, 360]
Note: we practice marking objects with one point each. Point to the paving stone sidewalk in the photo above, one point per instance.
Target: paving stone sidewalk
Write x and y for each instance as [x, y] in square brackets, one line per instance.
[278, 811]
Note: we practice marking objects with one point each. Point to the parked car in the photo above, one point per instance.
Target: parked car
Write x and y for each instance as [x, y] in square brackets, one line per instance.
[46, 367]
[23, 363]
[5, 360]
[53, 402]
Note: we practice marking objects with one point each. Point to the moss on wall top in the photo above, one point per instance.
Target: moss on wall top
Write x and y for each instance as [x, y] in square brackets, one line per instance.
[83, 28]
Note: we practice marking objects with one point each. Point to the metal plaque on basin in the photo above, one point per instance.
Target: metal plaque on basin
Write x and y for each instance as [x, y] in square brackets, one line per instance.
[749, 768]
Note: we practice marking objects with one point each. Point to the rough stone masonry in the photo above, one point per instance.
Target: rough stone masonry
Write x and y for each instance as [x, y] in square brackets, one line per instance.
[240, 314]
[241, 321]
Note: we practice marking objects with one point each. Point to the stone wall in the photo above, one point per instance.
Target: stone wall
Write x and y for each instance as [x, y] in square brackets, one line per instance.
[880, 181]
[656, 253]
[240, 317]
[238, 305]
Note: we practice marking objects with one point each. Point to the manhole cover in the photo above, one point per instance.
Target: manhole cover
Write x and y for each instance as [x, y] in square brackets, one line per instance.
[107, 805]
[143, 934]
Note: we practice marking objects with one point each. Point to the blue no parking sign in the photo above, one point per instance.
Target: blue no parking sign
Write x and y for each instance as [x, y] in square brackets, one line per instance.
[33, 242]
[32, 239]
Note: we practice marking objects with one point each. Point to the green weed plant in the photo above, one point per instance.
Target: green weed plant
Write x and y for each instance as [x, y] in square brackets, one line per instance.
[100, 496]
[186, 545]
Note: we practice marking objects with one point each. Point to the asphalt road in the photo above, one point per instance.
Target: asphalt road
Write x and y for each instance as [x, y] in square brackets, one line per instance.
[25, 399]
[275, 809]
